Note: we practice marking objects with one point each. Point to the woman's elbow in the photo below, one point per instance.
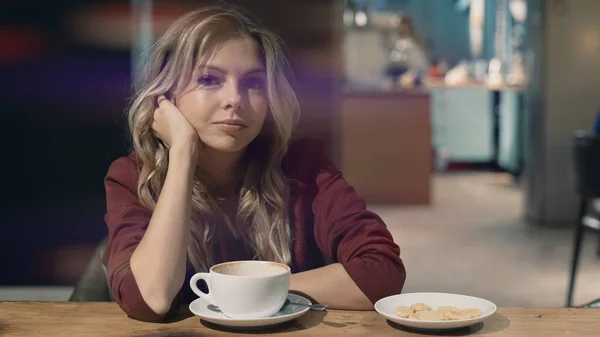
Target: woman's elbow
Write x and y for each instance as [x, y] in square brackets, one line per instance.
[160, 306]
[160, 302]
[151, 307]
[149, 312]
[140, 302]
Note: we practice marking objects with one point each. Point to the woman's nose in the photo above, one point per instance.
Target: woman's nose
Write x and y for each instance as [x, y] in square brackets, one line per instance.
[232, 98]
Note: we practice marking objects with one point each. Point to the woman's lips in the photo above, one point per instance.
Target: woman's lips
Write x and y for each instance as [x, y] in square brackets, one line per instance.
[231, 125]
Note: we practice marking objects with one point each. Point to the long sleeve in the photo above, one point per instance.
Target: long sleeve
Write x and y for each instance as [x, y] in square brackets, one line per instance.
[127, 221]
[346, 232]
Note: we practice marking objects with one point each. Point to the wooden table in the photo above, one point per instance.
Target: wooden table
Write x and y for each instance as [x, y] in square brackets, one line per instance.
[106, 319]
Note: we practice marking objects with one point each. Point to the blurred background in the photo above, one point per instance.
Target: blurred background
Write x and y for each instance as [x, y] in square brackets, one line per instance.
[453, 118]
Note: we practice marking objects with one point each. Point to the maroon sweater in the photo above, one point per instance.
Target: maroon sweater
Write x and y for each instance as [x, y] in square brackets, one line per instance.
[329, 223]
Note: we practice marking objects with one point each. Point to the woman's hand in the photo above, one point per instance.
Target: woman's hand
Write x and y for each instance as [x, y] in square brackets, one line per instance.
[330, 285]
[173, 128]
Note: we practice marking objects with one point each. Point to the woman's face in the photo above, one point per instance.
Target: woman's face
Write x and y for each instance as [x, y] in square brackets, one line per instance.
[226, 100]
[404, 29]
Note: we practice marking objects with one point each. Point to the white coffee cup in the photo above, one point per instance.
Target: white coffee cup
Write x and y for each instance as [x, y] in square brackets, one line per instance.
[245, 289]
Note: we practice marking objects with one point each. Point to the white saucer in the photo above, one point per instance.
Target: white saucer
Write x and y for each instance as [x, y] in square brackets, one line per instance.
[387, 308]
[288, 312]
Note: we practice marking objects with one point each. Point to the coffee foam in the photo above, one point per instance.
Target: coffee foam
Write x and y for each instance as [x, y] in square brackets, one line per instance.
[253, 269]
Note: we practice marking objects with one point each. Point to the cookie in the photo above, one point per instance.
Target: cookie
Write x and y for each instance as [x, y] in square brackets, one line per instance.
[446, 309]
[404, 312]
[428, 315]
[472, 312]
[420, 307]
[457, 315]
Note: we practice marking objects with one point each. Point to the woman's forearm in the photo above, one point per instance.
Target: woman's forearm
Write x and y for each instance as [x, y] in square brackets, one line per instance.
[331, 285]
[159, 261]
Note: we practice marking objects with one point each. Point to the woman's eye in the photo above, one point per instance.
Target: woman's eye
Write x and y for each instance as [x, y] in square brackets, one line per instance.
[208, 80]
[255, 84]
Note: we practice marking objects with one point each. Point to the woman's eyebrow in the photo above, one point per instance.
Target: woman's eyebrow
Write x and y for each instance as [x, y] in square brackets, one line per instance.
[259, 70]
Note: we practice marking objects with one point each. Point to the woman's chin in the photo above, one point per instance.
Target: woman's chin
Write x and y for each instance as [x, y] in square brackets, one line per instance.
[226, 144]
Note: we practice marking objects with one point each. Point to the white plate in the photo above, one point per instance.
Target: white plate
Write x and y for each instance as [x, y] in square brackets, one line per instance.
[288, 312]
[387, 308]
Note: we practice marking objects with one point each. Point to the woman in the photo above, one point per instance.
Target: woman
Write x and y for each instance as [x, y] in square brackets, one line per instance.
[214, 177]
[407, 56]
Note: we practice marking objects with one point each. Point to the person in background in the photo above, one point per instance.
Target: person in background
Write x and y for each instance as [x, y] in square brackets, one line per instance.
[215, 177]
[407, 57]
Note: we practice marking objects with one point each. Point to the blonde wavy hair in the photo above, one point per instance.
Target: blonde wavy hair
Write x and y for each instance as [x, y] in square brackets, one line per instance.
[264, 191]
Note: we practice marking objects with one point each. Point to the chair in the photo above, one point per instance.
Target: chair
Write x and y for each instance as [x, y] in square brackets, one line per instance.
[587, 169]
[93, 285]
